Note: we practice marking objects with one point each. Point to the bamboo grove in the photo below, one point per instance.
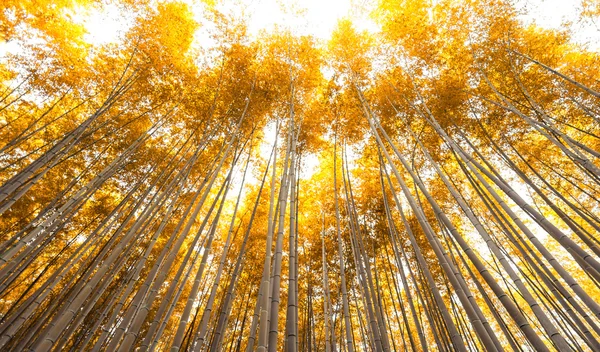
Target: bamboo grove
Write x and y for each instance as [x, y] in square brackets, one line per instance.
[156, 192]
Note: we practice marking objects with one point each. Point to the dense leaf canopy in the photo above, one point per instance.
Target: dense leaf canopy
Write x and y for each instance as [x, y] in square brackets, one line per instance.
[431, 185]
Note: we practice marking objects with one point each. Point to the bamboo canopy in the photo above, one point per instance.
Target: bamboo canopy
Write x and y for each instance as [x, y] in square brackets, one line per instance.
[429, 185]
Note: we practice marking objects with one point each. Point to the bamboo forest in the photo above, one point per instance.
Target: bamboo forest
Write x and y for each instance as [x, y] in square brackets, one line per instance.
[427, 182]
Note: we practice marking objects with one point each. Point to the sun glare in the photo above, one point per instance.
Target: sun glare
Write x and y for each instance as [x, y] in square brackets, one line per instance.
[318, 18]
[309, 17]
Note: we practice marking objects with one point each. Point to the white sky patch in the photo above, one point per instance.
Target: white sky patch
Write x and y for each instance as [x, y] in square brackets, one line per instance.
[310, 165]
[269, 139]
[320, 17]
[104, 25]
[308, 17]
[317, 18]
[7, 48]
[556, 14]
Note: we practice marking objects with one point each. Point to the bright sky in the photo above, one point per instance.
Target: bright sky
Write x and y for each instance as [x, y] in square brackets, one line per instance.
[554, 13]
[310, 17]
[305, 17]
[319, 17]
[105, 26]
